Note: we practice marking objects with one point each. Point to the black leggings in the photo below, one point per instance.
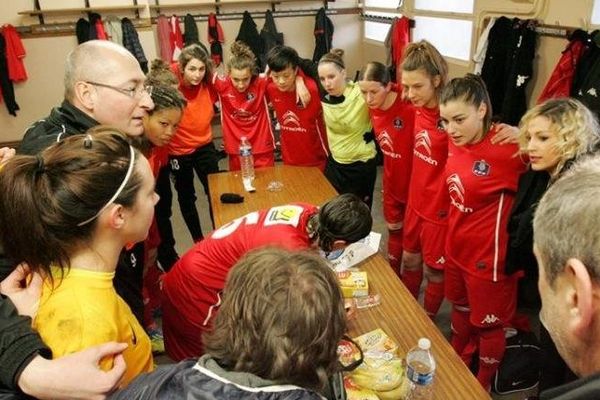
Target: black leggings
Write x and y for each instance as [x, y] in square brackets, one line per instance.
[204, 161]
[357, 178]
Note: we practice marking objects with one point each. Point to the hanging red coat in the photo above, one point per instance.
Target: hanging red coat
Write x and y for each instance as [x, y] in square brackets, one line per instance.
[176, 37]
[15, 52]
[215, 38]
[561, 80]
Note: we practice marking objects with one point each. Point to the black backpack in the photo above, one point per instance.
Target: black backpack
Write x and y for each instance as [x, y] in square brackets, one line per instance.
[520, 367]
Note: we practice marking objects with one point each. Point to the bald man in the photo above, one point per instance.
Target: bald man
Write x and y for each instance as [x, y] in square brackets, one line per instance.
[104, 84]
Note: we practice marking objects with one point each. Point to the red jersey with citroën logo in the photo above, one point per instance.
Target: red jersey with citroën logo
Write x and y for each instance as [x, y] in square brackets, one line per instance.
[427, 195]
[482, 180]
[303, 134]
[394, 133]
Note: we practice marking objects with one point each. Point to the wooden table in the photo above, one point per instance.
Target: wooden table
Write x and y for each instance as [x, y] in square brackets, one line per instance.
[399, 315]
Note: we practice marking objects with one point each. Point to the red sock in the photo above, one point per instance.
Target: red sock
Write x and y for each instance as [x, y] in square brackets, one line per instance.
[395, 250]
[462, 331]
[491, 350]
[434, 295]
[412, 280]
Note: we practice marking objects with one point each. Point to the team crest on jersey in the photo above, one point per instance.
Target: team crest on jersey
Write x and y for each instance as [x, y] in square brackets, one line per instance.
[398, 124]
[284, 215]
[250, 96]
[481, 168]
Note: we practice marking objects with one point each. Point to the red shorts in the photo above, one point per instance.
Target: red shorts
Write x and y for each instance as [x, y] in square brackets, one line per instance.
[393, 210]
[260, 160]
[491, 303]
[427, 238]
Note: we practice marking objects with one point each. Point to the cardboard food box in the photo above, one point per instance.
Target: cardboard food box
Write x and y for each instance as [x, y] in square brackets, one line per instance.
[354, 283]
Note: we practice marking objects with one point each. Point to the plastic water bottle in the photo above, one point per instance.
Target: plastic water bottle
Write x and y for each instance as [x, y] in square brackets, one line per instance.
[420, 370]
[246, 160]
[246, 163]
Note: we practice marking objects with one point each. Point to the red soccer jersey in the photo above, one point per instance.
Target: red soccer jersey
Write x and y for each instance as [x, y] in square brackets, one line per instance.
[194, 283]
[482, 181]
[303, 134]
[394, 132]
[245, 114]
[427, 195]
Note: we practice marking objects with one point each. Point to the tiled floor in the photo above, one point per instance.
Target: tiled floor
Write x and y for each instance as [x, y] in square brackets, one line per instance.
[184, 242]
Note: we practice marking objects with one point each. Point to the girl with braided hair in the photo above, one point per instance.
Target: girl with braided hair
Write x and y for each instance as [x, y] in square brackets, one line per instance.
[159, 127]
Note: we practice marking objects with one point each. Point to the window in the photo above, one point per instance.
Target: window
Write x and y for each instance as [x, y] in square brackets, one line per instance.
[452, 37]
[596, 13]
[457, 6]
[376, 30]
[382, 3]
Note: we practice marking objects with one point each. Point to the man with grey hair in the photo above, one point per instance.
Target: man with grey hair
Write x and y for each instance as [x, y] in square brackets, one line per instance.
[567, 247]
[104, 84]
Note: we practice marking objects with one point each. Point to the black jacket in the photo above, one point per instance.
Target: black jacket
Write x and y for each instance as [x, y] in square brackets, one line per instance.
[191, 30]
[249, 34]
[19, 343]
[519, 253]
[582, 389]
[270, 36]
[131, 42]
[205, 380]
[508, 67]
[63, 121]
[323, 34]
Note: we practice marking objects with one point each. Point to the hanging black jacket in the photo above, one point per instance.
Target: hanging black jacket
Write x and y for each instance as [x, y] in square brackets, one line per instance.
[586, 83]
[269, 35]
[508, 67]
[191, 30]
[68, 120]
[323, 34]
[520, 71]
[131, 42]
[249, 35]
[6, 85]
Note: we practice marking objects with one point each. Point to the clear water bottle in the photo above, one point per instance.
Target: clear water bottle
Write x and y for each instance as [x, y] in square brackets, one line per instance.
[420, 371]
[246, 160]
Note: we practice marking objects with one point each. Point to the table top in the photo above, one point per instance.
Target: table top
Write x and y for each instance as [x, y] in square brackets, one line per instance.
[304, 184]
[399, 315]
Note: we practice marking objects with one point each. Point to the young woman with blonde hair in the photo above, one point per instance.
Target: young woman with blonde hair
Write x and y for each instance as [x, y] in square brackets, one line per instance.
[554, 135]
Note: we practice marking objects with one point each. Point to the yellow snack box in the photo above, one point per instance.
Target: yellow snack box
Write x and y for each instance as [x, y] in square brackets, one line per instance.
[353, 283]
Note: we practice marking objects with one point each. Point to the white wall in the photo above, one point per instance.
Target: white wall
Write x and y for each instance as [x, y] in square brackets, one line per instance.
[45, 55]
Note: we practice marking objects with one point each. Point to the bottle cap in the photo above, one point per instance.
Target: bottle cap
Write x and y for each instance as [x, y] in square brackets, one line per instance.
[424, 344]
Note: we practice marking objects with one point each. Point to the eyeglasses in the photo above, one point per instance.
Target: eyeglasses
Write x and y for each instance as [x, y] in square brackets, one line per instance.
[134, 93]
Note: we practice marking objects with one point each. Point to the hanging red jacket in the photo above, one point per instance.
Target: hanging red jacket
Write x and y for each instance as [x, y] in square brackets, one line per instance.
[15, 52]
[215, 38]
[561, 80]
[176, 37]
[400, 37]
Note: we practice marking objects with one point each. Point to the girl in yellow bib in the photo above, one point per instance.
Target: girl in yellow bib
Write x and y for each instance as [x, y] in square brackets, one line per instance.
[68, 213]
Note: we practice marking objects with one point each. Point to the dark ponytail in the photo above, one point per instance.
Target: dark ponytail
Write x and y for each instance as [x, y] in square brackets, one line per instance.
[46, 200]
